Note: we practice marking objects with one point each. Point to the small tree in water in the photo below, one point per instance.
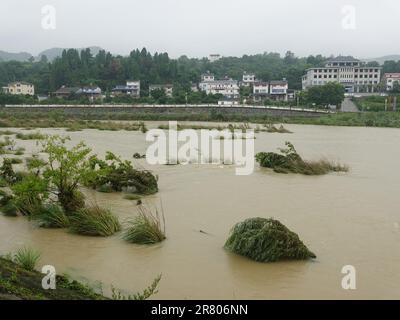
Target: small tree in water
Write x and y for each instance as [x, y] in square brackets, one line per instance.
[66, 169]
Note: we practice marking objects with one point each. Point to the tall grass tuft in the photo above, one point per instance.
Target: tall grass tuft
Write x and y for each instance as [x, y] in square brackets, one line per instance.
[51, 216]
[94, 221]
[27, 258]
[146, 227]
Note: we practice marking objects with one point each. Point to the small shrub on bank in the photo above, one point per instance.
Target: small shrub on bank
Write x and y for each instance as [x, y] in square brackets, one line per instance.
[132, 197]
[94, 221]
[146, 228]
[266, 240]
[27, 258]
[289, 161]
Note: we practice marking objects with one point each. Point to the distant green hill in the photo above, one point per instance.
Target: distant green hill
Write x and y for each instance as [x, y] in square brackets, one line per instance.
[9, 56]
[381, 60]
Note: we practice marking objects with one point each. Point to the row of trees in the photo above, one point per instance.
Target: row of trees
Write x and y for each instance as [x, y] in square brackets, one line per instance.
[76, 68]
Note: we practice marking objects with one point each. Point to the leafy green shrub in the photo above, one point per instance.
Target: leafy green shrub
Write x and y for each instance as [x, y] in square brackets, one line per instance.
[27, 258]
[291, 162]
[145, 228]
[51, 216]
[30, 193]
[120, 175]
[266, 240]
[94, 221]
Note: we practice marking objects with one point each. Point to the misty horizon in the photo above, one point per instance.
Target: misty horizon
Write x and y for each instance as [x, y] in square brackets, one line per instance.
[197, 29]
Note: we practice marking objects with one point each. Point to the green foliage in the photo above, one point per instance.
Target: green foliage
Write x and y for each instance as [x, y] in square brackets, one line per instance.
[119, 175]
[266, 240]
[94, 221]
[328, 94]
[27, 258]
[51, 216]
[30, 136]
[289, 161]
[30, 193]
[146, 294]
[146, 227]
[66, 168]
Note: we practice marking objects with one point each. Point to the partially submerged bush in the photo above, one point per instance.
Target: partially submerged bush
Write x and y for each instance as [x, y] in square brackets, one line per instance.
[30, 193]
[266, 240]
[146, 227]
[51, 216]
[27, 258]
[120, 175]
[132, 197]
[94, 221]
[289, 161]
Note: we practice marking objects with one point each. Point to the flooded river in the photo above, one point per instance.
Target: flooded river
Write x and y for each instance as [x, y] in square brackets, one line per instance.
[346, 219]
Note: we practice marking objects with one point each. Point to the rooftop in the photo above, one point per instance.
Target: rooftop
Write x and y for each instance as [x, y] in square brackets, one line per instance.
[343, 59]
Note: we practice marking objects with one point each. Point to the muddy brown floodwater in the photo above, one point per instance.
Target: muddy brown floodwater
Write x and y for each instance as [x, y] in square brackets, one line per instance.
[346, 219]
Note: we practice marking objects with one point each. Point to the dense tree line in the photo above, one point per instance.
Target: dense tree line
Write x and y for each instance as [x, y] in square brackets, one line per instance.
[76, 68]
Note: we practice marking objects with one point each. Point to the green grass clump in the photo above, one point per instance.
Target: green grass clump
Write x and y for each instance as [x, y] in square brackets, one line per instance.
[51, 216]
[132, 197]
[145, 228]
[27, 258]
[30, 136]
[20, 151]
[266, 240]
[289, 161]
[16, 161]
[94, 221]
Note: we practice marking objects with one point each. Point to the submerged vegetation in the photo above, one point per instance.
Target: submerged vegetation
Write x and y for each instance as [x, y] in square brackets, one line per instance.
[266, 240]
[94, 221]
[146, 227]
[289, 161]
[114, 174]
[51, 216]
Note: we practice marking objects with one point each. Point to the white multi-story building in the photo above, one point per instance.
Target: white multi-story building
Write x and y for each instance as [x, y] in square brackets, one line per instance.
[353, 74]
[228, 88]
[278, 90]
[390, 79]
[248, 79]
[20, 88]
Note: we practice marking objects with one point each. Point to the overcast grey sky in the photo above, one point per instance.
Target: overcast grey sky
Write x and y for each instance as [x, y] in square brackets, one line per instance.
[200, 27]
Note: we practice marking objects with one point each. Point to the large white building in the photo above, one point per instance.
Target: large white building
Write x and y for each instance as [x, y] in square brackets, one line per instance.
[228, 88]
[353, 74]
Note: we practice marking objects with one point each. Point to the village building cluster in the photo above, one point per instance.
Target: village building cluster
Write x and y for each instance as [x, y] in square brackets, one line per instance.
[356, 77]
